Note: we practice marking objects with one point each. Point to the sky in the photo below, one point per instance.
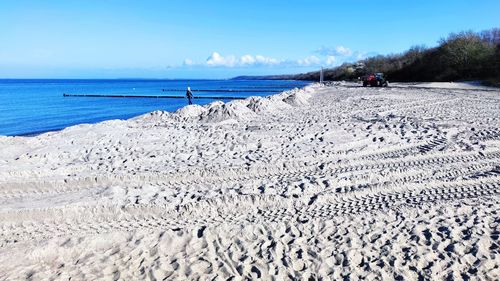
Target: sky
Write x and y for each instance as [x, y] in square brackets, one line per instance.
[218, 39]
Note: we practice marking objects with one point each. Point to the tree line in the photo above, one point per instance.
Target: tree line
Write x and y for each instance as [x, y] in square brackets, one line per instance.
[466, 55]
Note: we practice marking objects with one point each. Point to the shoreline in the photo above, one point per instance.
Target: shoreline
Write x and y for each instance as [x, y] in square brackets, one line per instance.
[38, 133]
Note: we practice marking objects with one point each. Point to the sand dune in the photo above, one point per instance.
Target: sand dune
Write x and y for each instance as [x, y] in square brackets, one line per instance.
[323, 182]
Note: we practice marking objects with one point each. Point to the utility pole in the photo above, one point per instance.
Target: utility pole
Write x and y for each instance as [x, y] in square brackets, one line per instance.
[321, 76]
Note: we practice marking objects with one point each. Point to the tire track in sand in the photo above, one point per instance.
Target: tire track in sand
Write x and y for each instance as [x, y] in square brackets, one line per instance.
[221, 176]
[37, 225]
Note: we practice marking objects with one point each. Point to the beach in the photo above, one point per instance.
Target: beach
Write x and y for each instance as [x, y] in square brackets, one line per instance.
[328, 182]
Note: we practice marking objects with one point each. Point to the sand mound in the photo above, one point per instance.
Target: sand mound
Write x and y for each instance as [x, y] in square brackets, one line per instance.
[261, 105]
[154, 116]
[193, 111]
[295, 97]
[299, 97]
[219, 111]
[244, 109]
[247, 109]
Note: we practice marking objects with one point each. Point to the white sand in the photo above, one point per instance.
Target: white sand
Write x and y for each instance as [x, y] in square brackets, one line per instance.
[335, 182]
[467, 85]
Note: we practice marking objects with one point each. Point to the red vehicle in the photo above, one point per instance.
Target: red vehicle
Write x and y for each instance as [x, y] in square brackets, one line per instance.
[374, 80]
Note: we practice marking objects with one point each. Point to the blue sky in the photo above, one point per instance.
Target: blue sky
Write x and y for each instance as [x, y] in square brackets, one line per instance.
[218, 39]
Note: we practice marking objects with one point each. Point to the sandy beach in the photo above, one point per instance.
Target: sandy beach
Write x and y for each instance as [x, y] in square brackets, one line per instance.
[316, 183]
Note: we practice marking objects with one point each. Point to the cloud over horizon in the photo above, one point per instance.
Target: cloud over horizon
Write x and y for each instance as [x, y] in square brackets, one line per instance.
[343, 54]
[324, 56]
[216, 59]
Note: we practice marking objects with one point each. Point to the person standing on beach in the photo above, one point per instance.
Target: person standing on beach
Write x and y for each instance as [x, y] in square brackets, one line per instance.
[189, 95]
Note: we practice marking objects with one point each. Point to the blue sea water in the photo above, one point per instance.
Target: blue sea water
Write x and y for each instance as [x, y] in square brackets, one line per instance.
[35, 106]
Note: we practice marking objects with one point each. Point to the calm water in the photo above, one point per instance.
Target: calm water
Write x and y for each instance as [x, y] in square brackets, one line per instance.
[35, 106]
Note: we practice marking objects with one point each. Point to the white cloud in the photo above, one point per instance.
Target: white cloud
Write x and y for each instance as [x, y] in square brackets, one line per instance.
[341, 50]
[188, 62]
[330, 60]
[247, 60]
[266, 60]
[334, 56]
[217, 59]
[310, 60]
[328, 57]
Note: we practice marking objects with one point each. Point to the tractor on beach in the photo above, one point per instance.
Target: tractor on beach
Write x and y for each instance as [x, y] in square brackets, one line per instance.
[374, 80]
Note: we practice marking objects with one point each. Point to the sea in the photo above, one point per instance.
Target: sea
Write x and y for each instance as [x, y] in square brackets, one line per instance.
[33, 106]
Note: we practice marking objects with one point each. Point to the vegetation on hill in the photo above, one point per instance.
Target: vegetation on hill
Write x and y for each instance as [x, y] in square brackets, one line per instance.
[461, 56]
